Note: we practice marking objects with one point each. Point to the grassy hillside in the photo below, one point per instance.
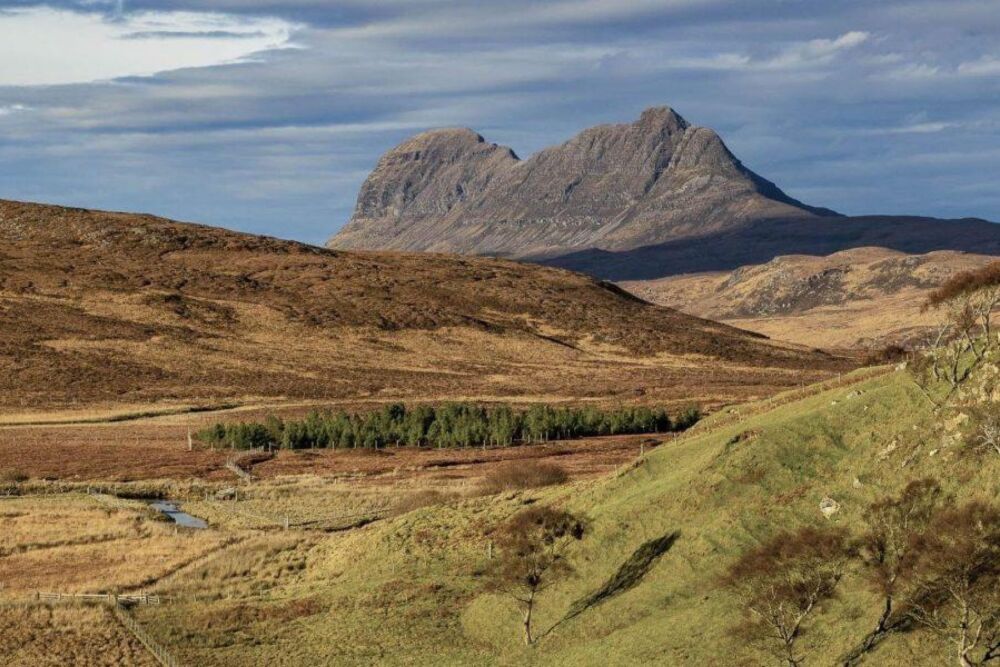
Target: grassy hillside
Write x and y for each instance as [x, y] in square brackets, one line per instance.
[411, 590]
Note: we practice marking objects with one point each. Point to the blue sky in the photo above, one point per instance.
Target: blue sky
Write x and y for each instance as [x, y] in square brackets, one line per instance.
[266, 115]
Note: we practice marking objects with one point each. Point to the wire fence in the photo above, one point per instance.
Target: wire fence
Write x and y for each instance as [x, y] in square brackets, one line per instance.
[155, 648]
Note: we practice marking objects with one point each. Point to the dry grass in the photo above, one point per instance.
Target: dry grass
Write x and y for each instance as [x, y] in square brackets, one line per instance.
[69, 544]
[65, 634]
[132, 310]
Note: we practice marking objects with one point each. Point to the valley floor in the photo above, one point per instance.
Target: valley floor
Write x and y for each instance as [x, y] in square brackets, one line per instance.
[385, 557]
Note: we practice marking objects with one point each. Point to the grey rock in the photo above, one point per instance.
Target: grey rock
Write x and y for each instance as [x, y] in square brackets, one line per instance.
[613, 187]
[828, 507]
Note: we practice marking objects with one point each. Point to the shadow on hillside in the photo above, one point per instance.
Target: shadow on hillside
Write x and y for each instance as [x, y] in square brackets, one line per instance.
[761, 242]
[627, 577]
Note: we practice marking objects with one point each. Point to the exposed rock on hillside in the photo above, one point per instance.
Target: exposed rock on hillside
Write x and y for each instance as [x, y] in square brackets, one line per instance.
[865, 296]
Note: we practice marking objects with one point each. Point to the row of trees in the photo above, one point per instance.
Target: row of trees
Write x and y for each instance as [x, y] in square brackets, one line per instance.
[929, 562]
[448, 425]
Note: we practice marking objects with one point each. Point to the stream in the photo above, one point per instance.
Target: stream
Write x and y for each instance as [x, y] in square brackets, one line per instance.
[183, 519]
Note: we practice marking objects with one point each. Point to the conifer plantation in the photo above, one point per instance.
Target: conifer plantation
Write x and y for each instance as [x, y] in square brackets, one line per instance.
[448, 425]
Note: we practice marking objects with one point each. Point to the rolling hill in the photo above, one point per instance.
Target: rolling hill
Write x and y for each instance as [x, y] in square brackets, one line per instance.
[121, 308]
[865, 297]
[659, 535]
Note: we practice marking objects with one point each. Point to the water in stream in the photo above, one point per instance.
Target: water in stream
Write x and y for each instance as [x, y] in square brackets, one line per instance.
[182, 519]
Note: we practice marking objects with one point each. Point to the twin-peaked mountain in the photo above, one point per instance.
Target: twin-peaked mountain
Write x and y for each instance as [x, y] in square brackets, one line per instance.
[614, 187]
[634, 201]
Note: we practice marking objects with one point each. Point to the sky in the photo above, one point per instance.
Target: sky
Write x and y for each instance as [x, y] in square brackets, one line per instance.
[266, 115]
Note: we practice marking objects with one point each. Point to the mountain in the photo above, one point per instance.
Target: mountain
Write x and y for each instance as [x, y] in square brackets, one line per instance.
[123, 308]
[654, 198]
[864, 297]
[614, 187]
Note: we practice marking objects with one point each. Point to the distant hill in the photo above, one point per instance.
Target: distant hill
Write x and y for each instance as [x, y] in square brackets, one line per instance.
[762, 241]
[117, 307]
[865, 297]
[613, 187]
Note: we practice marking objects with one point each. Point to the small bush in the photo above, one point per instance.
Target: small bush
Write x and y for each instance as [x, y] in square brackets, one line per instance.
[516, 475]
[415, 501]
[890, 354]
[9, 476]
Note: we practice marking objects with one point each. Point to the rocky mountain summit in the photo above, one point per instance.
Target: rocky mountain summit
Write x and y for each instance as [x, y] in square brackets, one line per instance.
[614, 187]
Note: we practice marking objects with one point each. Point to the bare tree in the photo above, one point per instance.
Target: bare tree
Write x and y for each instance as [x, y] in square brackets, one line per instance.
[532, 557]
[781, 584]
[988, 433]
[958, 573]
[886, 550]
[964, 339]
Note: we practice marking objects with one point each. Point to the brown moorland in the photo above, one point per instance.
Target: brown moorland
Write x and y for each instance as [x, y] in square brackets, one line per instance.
[103, 310]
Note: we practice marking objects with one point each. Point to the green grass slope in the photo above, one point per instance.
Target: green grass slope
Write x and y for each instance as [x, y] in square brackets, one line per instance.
[411, 591]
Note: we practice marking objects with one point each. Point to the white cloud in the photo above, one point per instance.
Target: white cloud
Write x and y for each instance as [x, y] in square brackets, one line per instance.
[8, 109]
[817, 50]
[912, 71]
[794, 55]
[985, 66]
[922, 128]
[46, 46]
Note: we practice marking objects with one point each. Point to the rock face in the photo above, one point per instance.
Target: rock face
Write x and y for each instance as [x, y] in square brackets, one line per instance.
[613, 187]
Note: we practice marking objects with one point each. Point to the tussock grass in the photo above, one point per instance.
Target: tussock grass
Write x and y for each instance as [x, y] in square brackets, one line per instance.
[67, 634]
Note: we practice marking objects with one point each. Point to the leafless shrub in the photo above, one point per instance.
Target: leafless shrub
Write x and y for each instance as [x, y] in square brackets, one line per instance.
[987, 436]
[962, 342]
[526, 474]
[890, 354]
[12, 476]
[887, 552]
[782, 583]
[958, 575]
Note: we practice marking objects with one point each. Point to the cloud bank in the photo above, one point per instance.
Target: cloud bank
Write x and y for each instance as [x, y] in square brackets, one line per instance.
[266, 115]
[46, 46]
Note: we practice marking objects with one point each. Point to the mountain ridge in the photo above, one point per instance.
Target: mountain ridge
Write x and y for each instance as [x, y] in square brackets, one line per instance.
[614, 186]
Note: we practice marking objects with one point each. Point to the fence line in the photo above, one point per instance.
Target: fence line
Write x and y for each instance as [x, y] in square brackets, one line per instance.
[739, 413]
[156, 649]
[251, 456]
[119, 608]
[130, 598]
[735, 416]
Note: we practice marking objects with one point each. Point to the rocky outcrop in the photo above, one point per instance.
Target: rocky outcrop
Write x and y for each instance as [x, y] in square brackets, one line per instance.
[613, 187]
[863, 297]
